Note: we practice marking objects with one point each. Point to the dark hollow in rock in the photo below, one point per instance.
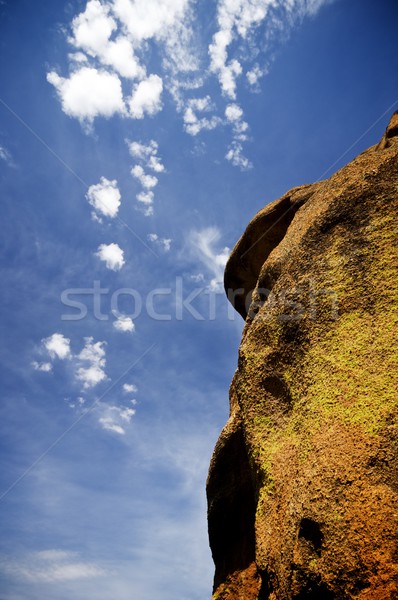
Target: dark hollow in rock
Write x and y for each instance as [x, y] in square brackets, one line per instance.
[311, 532]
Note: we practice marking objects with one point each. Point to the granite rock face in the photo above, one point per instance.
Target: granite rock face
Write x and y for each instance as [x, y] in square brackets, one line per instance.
[303, 483]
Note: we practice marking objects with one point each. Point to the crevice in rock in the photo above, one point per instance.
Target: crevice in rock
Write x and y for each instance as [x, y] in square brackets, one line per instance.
[266, 586]
[232, 507]
[314, 590]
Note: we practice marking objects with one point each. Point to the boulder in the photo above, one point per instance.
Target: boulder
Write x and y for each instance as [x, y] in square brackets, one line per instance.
[303, 483]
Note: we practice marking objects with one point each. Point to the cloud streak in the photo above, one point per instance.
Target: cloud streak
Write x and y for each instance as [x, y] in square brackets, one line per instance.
[202, 244]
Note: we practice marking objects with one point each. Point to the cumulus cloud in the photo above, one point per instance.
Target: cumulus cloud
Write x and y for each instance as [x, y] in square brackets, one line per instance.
[148, 159]
[58, 346]
[51, 566]
[89, 93]
[146, 97]
[145, 19]
[92, 362]
[124, 324]
[147, 154]
[203, 246]
[194, 124]
[146, 201]
[112, 255]
[234, 114]
[147, 181]
[104, 197]
[93, 28]
[163, 243]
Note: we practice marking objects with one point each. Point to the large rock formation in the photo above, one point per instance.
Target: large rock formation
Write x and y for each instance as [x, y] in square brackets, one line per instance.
[303, 483]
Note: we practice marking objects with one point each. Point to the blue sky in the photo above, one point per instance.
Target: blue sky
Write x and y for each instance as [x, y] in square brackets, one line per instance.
[137, 139]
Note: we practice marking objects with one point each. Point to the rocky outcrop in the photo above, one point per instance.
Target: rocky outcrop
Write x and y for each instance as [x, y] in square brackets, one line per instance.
[303, 483]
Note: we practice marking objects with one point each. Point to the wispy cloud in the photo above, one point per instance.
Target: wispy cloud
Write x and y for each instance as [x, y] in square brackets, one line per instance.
[193, 124]
[203, 246]
[51, 566]
[5, 155]
[115, 418]
[45, 367]
[163, 243]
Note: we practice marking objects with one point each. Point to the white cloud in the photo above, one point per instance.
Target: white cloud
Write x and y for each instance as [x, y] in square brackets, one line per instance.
[163, 243]
[112, 255]
[146, 198]
[124, 324]
[52, 566]
[255, 74]
[155, 164]
[120, 55]
[109, 424]
[93, 28]
[233, 112]
[238, 19]
[147, 181]
[89, 93]
[6, 156]
[78, 57]
[202, 246]
[130, 388]
[92, 360]
[116, 418]
[146, 97]
[58, 346]
[104, 197]
[113, 40]
[147, 154]
[194, 124]
[45, 367]
[146, 19]
[236, 157]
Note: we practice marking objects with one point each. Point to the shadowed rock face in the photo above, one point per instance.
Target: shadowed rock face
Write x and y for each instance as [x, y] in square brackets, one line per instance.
[303, 483]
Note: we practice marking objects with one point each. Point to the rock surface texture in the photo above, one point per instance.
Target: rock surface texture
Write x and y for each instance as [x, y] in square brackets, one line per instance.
[303, 483]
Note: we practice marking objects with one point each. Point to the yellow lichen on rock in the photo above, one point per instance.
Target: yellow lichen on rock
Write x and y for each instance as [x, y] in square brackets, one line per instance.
[303, 485]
